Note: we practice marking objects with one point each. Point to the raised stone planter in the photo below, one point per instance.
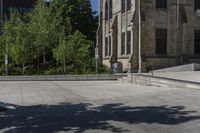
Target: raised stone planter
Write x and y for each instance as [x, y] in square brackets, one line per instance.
[61, 77]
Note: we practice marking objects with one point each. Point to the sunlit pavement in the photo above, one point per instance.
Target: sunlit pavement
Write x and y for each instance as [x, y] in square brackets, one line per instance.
[92, 107]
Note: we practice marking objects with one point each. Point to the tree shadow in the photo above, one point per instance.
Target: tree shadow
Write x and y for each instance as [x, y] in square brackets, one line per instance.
[80, 117]
[2, 109]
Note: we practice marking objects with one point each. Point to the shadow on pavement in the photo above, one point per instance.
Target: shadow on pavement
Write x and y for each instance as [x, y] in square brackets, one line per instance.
[81, 117]
[2, 109]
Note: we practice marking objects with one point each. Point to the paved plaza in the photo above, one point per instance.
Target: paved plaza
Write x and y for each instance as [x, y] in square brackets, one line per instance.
[97, 107]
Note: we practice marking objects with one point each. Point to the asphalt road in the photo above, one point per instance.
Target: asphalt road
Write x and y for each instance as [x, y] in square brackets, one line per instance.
[92, 107]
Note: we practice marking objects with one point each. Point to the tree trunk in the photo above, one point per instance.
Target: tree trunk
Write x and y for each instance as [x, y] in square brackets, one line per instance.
[44, 56]
[23, 68]
[64, 62]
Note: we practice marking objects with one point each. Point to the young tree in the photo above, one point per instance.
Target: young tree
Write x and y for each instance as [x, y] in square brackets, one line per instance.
[22, 50]
[40, 27]
[74, 52]
[82, 18]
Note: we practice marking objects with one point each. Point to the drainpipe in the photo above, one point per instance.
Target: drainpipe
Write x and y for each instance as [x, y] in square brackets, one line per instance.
[139, 38]
[126, 27]
[97, 50]
[177, 34]
[109, 37]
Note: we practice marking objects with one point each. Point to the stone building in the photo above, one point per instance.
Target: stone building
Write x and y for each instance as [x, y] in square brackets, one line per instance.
[170, 33]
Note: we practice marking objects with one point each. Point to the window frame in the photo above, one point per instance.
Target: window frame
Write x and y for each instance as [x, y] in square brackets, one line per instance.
[161, 4]
[123, 6]
[109, 46]
[197, 42]
[161, 41]
[128, 43]
[106, 47]
[123, 44]
[110, 9]
[196, 6]
[106, 11]
[129, 5]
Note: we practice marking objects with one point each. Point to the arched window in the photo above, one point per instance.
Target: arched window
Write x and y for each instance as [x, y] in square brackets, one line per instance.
[123, 6]
[106, 11]
[110, 9]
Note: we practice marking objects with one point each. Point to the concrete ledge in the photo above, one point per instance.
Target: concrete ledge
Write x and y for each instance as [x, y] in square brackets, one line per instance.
[162, 82]
[181, 68]
[61, 77]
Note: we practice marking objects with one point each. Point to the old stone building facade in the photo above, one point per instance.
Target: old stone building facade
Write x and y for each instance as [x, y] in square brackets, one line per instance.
[170, 33]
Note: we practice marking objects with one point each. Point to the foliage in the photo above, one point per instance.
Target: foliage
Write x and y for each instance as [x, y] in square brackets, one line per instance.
[74, 52]
[51, 39]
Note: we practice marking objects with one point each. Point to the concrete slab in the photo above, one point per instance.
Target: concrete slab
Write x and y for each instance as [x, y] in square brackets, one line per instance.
[188, 76]
[97, 107]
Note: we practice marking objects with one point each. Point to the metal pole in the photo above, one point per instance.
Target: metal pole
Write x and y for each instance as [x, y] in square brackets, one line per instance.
[139, 38]
[6, 59]
[126, 26]
[177, 33]
[97, 54]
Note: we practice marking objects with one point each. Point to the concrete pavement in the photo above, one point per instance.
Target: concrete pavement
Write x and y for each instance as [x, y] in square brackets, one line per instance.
[97, 106]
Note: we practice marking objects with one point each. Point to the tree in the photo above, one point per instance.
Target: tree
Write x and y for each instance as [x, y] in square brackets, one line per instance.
[22, 50]
[40, 27]
[73, 52]
[82, 18]
[17, 40]
[45, 33]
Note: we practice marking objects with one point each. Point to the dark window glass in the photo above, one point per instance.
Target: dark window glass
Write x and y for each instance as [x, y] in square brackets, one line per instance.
[109, 46]
[196, 4]
[123, 6]
[123, 44]
[161, 41]
[110, 9]
[106, 46]
[128, 5]
[106, 11]
[128, 50]
[161, 3]
[197, 41]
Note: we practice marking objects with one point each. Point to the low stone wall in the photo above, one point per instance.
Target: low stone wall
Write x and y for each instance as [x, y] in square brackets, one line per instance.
[61, 77]
[162, 82]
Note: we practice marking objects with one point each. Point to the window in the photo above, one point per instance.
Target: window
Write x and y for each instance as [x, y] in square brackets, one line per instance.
[196, 5]
[128, 48]
[197, 41]
[161, 3]
[123, 43]
[110, 9]
[106, 11]
[128, 5]
[109, 53]
[161, 41]
[123, 6]
[106, 46]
